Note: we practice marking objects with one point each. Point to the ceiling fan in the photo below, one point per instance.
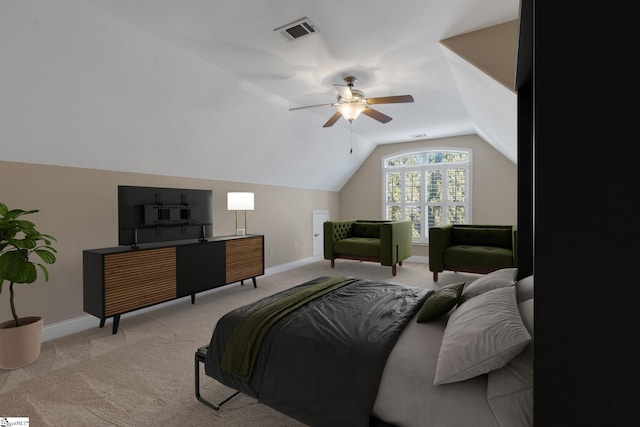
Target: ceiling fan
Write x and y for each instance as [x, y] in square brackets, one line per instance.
[351, 102]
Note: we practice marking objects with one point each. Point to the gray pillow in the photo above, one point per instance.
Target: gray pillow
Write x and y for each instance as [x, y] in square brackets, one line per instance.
[440, 302]
[510, 388]
[481, 335]
[524, 288]
[494, 280]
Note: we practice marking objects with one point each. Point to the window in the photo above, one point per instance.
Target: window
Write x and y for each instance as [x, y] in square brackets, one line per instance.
[429, 187]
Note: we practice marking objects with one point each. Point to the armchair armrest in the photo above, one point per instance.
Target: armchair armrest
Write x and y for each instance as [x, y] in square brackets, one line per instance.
[334, 231]
[439, 240]
[395, 242]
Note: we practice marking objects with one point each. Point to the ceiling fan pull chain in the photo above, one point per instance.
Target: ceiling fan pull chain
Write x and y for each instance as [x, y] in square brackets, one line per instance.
[351, 137]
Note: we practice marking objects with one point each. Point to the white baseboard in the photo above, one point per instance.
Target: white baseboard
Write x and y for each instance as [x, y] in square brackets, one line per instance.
[290, 265]
[67, 327]
[82, 323]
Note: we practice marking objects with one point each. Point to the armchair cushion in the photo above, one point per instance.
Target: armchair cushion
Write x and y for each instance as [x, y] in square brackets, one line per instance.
[365, 246]
[482, 236]
[490, 257]
[366, 229]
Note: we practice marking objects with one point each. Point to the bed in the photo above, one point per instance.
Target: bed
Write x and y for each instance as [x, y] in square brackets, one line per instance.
[343, 351]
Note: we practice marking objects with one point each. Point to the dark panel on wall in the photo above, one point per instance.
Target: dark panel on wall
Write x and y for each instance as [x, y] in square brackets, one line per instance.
[586, 237]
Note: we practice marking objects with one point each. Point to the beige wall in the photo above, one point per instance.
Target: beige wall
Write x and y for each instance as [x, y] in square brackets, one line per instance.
[79, 207]
[494, 183]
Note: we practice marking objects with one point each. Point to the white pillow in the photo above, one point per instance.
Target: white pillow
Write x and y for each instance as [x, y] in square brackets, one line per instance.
[494, 280]
[524, 289]
[510, 388]
[481, 335]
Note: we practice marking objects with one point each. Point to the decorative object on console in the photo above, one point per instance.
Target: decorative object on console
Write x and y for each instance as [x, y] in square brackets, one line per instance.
[20, 338]
[240, 201]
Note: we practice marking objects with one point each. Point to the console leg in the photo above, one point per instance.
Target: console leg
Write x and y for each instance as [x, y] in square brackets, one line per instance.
[116, 321]
[333, 263]
[393, 270]
[102, 320]
[254, 282]
[435, 276]
[193, 298]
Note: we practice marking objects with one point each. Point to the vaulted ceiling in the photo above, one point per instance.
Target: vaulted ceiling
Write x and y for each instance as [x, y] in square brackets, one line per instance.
[203, 88]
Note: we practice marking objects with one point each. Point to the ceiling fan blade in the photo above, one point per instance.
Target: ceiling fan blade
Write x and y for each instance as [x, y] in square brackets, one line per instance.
[344, 91]
[390, 99]
[377, 115]
[332, 120]
[311, 106]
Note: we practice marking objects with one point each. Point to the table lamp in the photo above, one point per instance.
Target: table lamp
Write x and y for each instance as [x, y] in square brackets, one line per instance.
[240, 201]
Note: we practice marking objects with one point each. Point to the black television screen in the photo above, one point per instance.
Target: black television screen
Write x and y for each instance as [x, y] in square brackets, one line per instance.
[156, 214]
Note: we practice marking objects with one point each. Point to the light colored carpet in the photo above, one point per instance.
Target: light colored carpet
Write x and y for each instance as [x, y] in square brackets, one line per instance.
[144, 375]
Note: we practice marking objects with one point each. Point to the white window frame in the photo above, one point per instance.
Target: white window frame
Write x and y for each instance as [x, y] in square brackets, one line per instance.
[424, 167]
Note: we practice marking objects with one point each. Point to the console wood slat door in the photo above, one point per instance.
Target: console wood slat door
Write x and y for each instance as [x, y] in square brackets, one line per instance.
[244, 258]
[138, 279]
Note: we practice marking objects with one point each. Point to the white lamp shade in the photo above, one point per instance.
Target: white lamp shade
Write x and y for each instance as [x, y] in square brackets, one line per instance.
[240, 201]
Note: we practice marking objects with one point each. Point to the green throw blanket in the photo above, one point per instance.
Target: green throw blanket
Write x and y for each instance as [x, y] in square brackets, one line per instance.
[247, 336]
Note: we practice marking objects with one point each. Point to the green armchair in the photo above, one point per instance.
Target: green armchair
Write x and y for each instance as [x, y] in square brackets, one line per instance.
[472, 248]
[386, 242]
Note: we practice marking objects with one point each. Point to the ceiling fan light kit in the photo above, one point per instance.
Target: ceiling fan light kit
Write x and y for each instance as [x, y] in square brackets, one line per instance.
[352, 102]
[350, 110]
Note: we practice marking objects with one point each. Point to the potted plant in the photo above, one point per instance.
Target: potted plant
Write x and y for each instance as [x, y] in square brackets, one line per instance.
[20, 338]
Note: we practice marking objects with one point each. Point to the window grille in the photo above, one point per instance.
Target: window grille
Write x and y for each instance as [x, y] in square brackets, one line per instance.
[429, 187]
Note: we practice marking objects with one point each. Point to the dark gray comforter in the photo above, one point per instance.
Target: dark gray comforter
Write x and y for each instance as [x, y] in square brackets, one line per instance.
[322, 363]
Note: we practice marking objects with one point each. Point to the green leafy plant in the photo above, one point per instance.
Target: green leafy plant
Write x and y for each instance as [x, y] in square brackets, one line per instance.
[19, 240]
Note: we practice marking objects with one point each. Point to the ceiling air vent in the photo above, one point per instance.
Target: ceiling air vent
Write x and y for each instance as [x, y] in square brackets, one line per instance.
[295, 30]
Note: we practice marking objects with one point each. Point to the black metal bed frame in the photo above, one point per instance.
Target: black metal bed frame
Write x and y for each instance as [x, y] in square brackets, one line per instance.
[200, 357]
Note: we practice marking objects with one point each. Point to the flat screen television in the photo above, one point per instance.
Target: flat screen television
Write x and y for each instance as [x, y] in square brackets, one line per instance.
[157, 214]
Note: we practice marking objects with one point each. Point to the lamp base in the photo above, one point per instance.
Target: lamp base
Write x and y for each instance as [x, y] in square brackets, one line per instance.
[241, 232]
